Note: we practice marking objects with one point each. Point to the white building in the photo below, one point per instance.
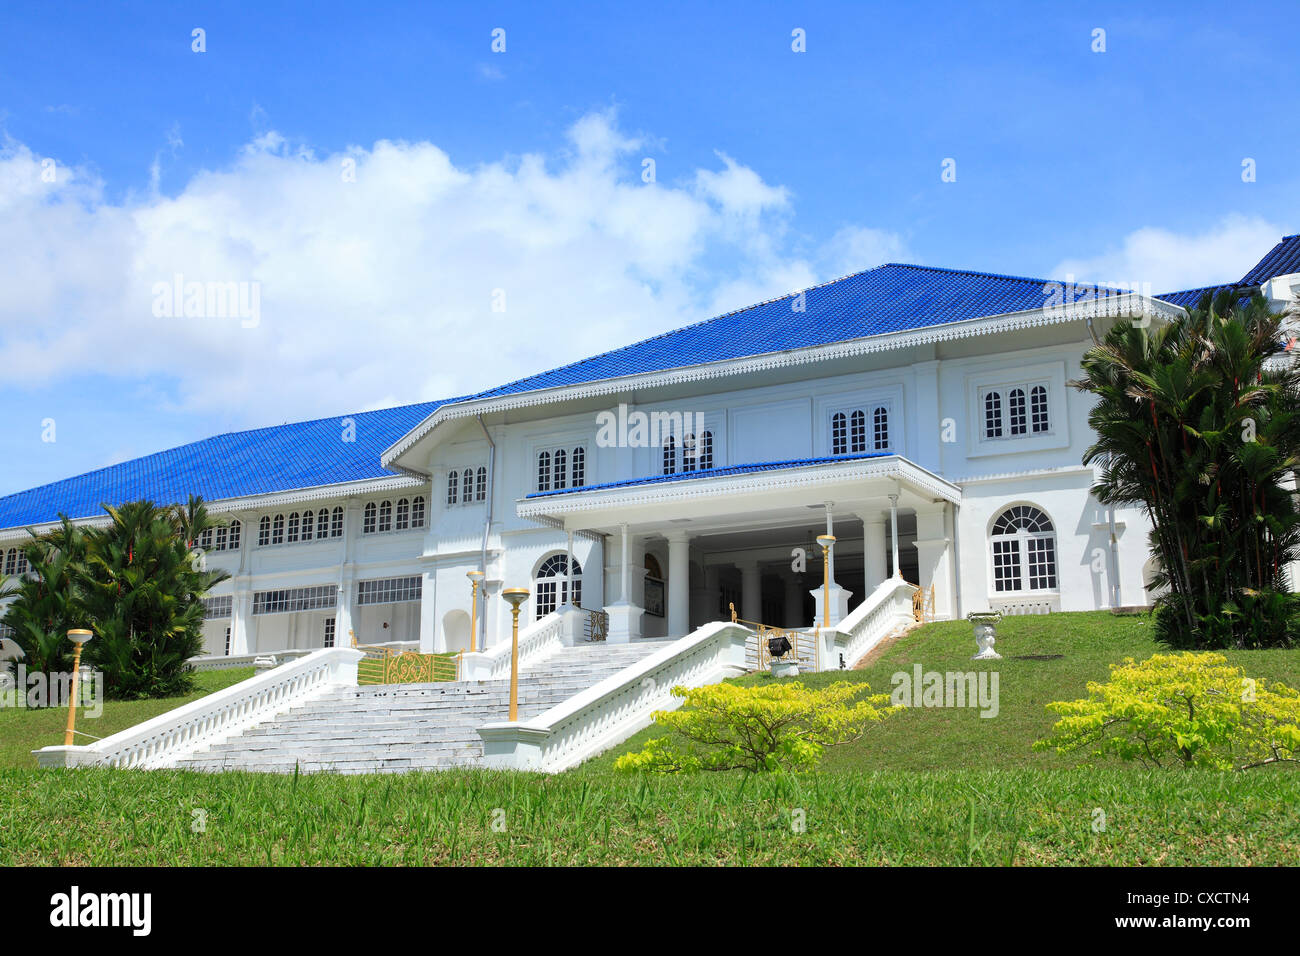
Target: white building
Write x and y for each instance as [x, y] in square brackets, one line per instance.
[921, 415]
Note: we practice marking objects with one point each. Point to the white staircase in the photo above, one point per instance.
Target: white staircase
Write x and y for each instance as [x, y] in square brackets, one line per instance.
[401, 727]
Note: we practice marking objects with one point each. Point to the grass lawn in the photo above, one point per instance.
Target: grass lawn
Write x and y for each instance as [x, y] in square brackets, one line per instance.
[22, 731]
[928, 786]
[1025, 817]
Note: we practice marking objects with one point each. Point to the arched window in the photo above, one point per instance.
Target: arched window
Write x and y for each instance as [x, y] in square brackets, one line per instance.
[23, 566]
[480, 484]
[1038, 409]
[263, 531]
[336, 523]
[670, 455]
[578, 464]
[277, 529]
[417, 511]
[205, 540]
[308, 525]
[403, 514]
[368, 518]
[705, 450]
[880, 428]
[221, 537]
[323, 524]
[233, 540]
[552, 585]
[544, 471]
[11, 561]
[559, 469]
[386, 516]
[1024, 550]
[993, 415]
[839, 434]
[858, 431]
[453, 483]
[690, 453]
[467, 486]
[293, 527]
[1016, 411]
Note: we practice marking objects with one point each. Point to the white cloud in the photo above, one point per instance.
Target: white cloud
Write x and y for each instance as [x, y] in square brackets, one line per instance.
[380, 290]
[1171, 261]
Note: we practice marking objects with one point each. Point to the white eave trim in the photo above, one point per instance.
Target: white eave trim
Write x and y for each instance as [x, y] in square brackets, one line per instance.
[1129, 303]
[777, 479]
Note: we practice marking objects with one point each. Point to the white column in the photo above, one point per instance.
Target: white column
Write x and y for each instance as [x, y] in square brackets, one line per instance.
[934, 558]
[873, 553]
[679, 584]
[830, 530]
[751, 591]
[241, 618]
[893, 532]
[624, 616]
[569, 566]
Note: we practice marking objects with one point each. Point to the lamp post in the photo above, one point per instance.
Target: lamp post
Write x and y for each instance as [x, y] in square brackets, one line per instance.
[516, 597]
[78, 636]
[474, 578]
[826, 541]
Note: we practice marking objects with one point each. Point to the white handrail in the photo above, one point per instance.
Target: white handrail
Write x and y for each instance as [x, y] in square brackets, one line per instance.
[537, 642]
[160, 741]
[887, 608]
[620, 705]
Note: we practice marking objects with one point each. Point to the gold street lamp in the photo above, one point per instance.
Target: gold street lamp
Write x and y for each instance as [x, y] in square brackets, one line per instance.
[826, 541]
[78, 636]
[516, 597]
[475, 577]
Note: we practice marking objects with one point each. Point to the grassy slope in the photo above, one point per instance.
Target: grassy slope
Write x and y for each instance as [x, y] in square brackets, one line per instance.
[937, 738]
[22, 731]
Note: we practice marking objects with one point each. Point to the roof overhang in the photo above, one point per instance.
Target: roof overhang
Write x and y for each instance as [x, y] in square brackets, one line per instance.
[398, 456]
[751, 499]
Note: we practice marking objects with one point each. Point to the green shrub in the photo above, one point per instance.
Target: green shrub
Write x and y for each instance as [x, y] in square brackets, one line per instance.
[1183, 710]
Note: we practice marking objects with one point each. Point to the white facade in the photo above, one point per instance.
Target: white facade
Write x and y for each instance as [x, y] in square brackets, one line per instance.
[958, 424]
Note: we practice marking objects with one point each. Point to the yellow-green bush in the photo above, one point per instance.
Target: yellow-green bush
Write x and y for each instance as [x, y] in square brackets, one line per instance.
[1188, 710]
[766, 727]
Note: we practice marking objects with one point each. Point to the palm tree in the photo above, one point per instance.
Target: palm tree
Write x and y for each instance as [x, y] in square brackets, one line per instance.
[1198, 422]
[143, 596]
[135, 583]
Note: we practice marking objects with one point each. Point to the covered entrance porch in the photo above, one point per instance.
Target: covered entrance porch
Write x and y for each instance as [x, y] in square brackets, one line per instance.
[682, 550]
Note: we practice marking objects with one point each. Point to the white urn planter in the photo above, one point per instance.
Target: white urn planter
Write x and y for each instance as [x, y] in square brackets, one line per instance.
[783, 668]
[985, 624]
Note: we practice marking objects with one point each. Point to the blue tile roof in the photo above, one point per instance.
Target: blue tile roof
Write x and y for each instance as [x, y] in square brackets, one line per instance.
[891, 298]
[1283, 259]
[260, 461]
[721, 472]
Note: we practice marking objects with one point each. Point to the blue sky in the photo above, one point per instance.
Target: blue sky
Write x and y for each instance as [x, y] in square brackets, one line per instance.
[522, 171]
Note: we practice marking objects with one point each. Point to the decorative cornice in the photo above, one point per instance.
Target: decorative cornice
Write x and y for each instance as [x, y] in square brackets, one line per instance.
[1107, 307]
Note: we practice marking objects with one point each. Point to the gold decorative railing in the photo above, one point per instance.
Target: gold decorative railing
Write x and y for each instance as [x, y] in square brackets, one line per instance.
[383, 665]
[597, 624]
[923, 605]
[804, 645]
